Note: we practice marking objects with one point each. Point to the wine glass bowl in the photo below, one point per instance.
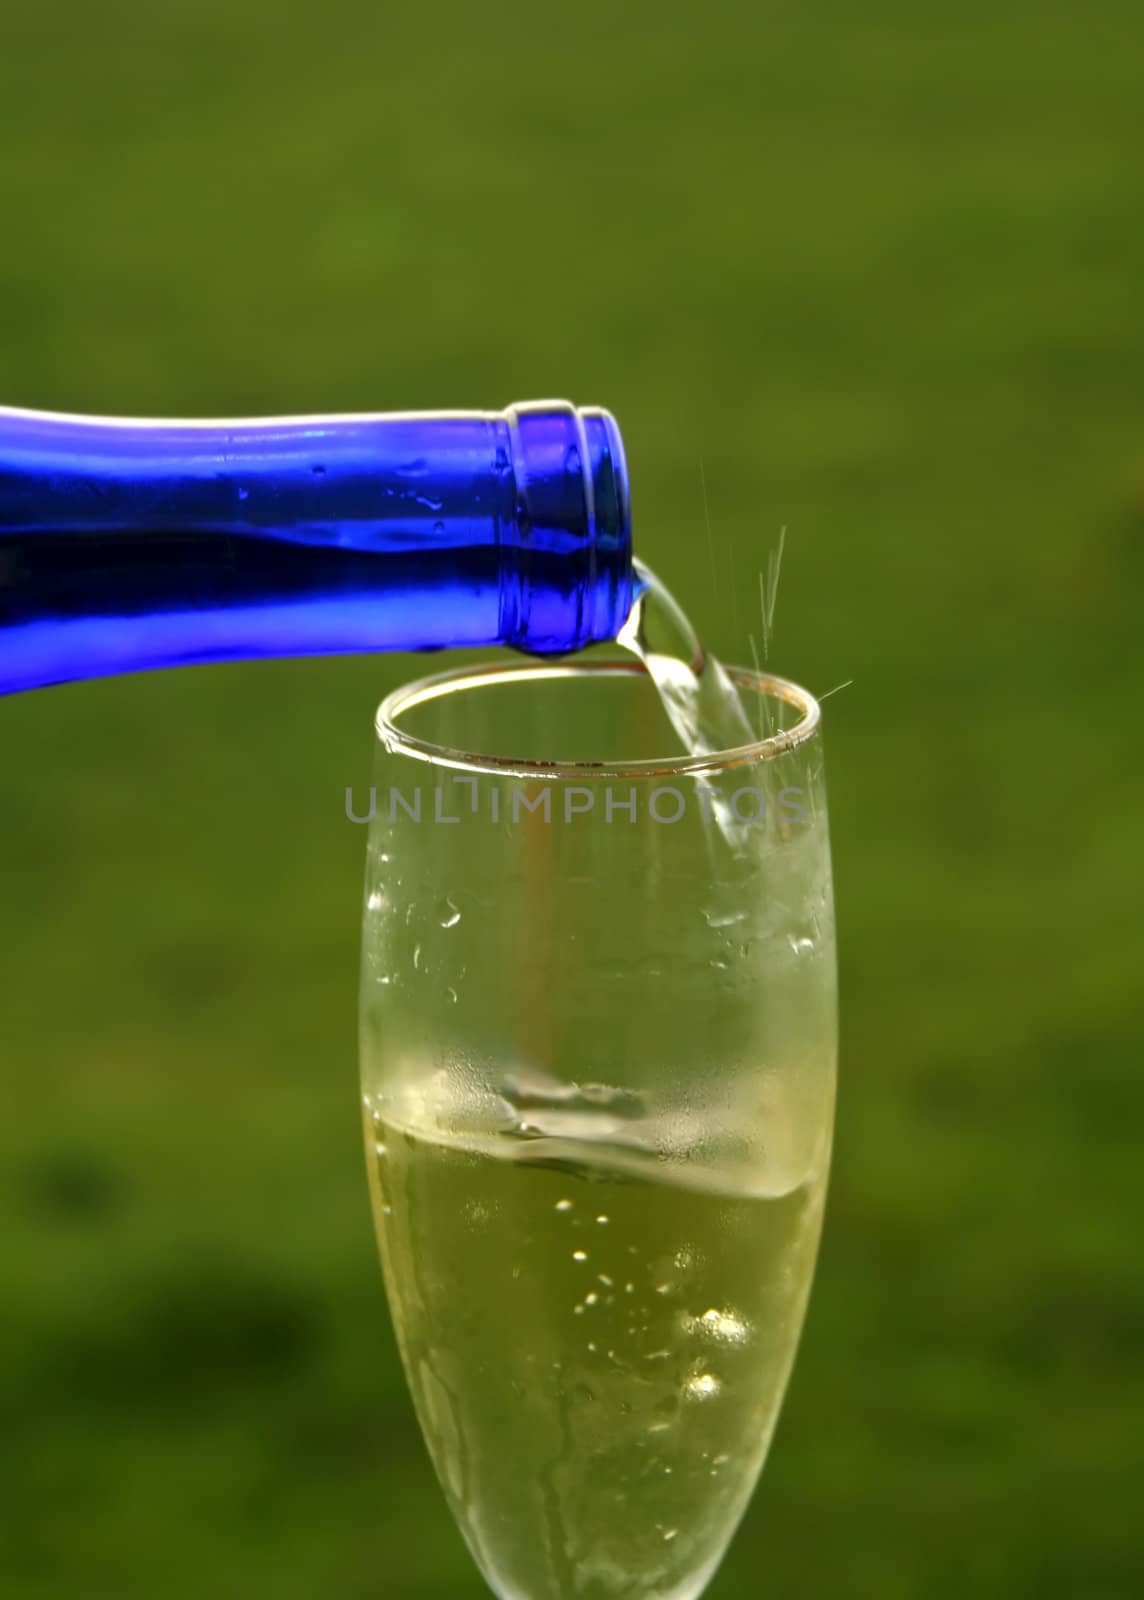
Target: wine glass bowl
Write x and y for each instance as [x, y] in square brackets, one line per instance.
[598, 1056]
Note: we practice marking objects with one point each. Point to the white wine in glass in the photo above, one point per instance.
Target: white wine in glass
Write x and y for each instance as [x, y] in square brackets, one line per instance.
[598, 1065]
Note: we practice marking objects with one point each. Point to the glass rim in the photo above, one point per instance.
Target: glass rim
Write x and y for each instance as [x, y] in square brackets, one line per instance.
[423, 691]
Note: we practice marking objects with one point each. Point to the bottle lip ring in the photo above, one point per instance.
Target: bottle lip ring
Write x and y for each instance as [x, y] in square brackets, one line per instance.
[581, 514]
[462, 679]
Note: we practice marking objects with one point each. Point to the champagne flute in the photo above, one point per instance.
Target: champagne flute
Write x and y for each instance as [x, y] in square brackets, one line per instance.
[598, 1058]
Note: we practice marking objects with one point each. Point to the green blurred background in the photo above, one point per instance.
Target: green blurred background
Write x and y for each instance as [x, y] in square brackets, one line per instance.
[875, 273]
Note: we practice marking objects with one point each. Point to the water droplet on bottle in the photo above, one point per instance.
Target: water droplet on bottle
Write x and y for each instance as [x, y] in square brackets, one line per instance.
[563, 1205]
[704, 1386]
[451, 996]
[801, 947]
[417, 957]
[449, 914]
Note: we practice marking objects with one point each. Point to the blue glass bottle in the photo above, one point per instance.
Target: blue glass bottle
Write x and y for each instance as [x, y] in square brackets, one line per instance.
[127, 545]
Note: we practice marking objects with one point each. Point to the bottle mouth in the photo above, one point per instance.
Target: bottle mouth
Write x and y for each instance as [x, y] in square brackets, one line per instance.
[571, 529]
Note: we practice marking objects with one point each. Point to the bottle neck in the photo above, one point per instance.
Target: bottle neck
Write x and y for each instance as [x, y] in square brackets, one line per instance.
[127, 545]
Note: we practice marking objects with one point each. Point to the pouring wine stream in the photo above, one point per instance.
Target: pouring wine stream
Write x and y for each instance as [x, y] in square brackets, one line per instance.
[699, 698]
